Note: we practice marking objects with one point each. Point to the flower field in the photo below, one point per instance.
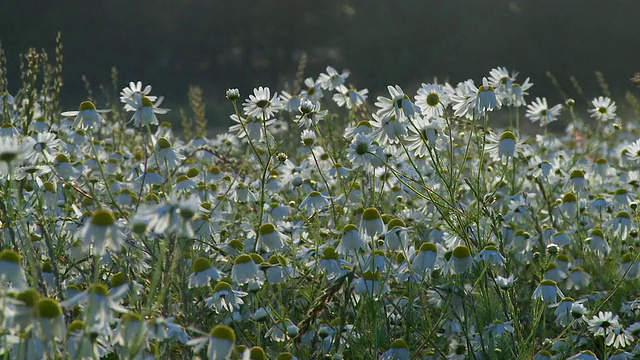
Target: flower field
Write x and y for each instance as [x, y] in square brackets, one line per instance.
[324, 224]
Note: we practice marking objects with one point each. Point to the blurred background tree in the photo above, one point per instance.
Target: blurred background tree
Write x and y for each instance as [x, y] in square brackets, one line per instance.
[216, 44]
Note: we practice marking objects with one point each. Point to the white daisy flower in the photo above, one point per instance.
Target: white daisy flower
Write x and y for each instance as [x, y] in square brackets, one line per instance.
[370, 284]
[350, 97]
[270, 238]
[50, 323]
[87, 116]
[398, 350]
[399, 105]
[133, 93]
[100, 233]
[371, 223]
[203, 273]
[130, 334]
[548, 291]
[225, 298]
[315, 201]
[261, 104]
[332, 79]
[145, 111]
[220, 342]
[491, 254]
[462, 97]
[351, 241]
[539, 111]
[461, 260]
[313, 91]
[164, 155]
[282, 330]
[424, 134]
[244, 270]
[388, 129]
[11, 272]
[361, 151]
[425, 258]
[432, 100]
[504, 146]
[604, 109]
[98, 304]
[309, 114]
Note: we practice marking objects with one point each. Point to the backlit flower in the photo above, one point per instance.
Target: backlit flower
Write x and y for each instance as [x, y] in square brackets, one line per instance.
[87, 116]
[604, 109]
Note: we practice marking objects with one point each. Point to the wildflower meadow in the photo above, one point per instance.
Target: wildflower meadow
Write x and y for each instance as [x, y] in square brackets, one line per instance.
[323, 224]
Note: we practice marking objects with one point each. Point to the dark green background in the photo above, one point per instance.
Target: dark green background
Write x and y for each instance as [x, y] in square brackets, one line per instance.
[221, 44]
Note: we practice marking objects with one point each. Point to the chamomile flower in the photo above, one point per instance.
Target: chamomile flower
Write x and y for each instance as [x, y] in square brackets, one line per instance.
[432, 100]
[87, 117]
[350, 241]
[100, 233]
[505, 283]
[290, 102]
[399, 105]
[7, 129]
[145, 111]
[270, 238]
[597, 242]
[332, 79]
[232, 94]
[350, 97]
[133, 93]
[481, 99]
[310, 114]
[244, 269]
[491, 254]
[500, 77]
[604, 109]
[577, 279]
[277, 270]
[314, 202]
[282, 330]
[220, 342]
[370, 284]
[164, 155]
[371, 223]
[50, 320]
[539, 111]
[461, 259]
[462, 99]
[424, 134]
[11, 272]
[563, 311]
[251, 128]
[396, 237]
[399, 350]
[425, 258]
[504, 146]
[98, 304]
[633, 151]
[130, 333]
[548, 291]
[313, 90]
[261, 104]
[43, 148]
[605, 324]
[225, 298]
[361, 151]
[362, 127]
[81, 344]
[203, 273]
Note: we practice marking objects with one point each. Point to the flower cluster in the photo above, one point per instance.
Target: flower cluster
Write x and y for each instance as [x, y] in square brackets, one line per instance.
[323, 226]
